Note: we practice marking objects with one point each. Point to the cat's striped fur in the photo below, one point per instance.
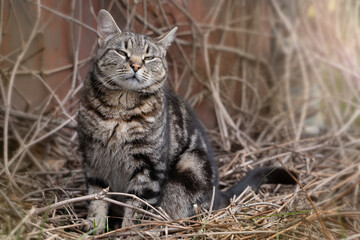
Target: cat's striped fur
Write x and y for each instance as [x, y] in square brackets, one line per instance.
[138, 137]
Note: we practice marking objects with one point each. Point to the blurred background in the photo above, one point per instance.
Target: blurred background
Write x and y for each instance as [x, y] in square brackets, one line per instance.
[274, 82]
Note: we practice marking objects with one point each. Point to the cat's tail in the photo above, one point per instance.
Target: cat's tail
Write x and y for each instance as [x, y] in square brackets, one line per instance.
[257, 177]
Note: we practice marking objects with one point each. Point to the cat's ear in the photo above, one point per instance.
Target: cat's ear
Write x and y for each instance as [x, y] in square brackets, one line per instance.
[166, 39]
[106, 27]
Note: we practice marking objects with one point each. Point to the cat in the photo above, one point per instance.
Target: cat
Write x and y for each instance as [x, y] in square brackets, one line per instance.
[139, 137]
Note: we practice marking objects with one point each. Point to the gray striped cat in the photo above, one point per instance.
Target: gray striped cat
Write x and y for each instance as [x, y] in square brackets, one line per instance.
[138, 137]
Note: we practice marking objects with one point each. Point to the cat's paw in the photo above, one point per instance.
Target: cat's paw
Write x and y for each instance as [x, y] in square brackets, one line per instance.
[126, 223]
[94, 225]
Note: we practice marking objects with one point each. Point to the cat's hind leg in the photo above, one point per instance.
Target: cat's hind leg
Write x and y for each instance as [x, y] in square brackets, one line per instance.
[190, 182]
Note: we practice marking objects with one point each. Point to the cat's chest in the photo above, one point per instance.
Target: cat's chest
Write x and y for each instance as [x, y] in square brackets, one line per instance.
[111, 149]
[115, 133]
[113, 130]
[115, 166]
[115, 126]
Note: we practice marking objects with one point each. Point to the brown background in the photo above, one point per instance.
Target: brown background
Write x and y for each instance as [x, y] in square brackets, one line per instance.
[59, 56]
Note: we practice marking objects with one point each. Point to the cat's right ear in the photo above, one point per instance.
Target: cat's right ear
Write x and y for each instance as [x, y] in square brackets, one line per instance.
[106, 27]
[167, 38]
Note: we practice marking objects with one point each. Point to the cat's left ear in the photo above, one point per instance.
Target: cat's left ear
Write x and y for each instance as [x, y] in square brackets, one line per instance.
[166, 39]
[106, 27]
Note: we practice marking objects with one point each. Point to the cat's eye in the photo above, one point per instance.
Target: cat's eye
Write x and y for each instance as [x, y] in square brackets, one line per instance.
[149, 58]
[122, 53]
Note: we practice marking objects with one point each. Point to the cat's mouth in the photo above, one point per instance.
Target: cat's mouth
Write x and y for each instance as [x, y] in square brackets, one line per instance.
[134, 78]
[130, 82]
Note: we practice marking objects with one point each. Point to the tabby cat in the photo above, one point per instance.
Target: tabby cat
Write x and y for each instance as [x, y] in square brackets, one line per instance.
[138, 137]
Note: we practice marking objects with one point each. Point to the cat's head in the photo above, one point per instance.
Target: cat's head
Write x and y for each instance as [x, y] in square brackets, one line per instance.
[128, 60]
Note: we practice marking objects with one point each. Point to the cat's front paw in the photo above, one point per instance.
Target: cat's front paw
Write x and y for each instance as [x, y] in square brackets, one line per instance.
[94, 225]
[127, 223]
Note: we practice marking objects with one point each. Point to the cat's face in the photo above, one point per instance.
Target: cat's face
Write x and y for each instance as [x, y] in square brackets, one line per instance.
[130, 61]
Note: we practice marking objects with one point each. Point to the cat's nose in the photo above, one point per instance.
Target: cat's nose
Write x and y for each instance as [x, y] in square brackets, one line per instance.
[135, 66]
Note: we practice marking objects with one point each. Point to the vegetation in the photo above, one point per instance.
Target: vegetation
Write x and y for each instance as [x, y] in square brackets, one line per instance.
[276, 83]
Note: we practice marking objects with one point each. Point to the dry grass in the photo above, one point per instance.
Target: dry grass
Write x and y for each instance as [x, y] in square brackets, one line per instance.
[282, 80]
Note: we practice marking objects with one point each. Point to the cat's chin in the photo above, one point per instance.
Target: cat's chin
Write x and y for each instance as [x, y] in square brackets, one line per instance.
[133, 79]
[132, 84]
